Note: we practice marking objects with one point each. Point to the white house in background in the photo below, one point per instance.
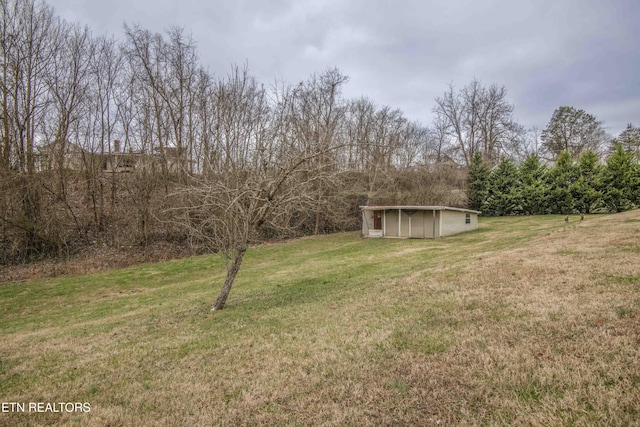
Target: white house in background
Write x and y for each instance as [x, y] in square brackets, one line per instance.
[419, 222]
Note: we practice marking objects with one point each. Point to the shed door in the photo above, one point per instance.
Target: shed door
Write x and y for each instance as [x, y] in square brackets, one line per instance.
[377, 220]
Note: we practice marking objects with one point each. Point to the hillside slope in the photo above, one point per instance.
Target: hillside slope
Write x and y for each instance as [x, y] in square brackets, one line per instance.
[526, 321]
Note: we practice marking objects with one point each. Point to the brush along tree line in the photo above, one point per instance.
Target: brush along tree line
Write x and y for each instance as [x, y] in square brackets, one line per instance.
[217, 162]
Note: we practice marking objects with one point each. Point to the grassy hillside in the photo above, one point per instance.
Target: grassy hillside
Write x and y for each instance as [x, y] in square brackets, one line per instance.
[526, 321]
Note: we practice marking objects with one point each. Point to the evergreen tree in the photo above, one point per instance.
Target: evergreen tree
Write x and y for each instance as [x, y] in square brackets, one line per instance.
[478, 182]
[504, 190]
[534, 187]
[620, 181]
[561, 180]
[586, 189]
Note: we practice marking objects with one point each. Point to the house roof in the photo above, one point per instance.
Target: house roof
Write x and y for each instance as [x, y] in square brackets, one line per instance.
[55, 145]
[416, 208]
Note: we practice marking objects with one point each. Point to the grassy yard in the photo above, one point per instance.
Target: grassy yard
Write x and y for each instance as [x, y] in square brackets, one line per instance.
[527, 321]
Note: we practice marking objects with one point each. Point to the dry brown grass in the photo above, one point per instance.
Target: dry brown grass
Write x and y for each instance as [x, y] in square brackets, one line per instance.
[527, 322]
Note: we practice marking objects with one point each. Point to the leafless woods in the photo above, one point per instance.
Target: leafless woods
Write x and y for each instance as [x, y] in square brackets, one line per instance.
[123, 142]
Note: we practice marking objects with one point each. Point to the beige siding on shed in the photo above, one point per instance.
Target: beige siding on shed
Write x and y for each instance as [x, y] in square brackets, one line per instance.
[391, 221]
[430, 228]
[417, 224]
[454, 222]
[404, 225]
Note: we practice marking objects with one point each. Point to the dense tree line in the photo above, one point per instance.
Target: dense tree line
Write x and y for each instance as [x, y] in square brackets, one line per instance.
[568, 186]
[131, 140]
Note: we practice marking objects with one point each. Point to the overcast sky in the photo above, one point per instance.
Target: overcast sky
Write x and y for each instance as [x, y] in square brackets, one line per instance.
[581, 53]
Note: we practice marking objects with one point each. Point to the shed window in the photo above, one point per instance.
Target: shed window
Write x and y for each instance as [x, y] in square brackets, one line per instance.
[467, 219]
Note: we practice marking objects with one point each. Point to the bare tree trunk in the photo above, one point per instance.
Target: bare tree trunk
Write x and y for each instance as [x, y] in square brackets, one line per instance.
[316, 229]
[232, 271]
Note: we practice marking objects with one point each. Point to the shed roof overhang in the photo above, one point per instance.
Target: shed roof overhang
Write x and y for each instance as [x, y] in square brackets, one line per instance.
[416, 208]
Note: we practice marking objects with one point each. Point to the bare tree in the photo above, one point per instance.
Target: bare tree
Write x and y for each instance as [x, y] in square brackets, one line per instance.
[499, 132]
[317, 116]
[29, 35]
[523, 145]
[257, 174]
[415, 145]
[201, 137]
[459, 113]
[223, 206]
[478, 119]
[68, 85]
[102, 120]
[360, 123]
[439, 141]
[573, 130]
[382, 141]
[166, 72]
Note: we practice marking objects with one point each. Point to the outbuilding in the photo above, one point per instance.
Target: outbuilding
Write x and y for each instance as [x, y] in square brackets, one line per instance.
[418, 222]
